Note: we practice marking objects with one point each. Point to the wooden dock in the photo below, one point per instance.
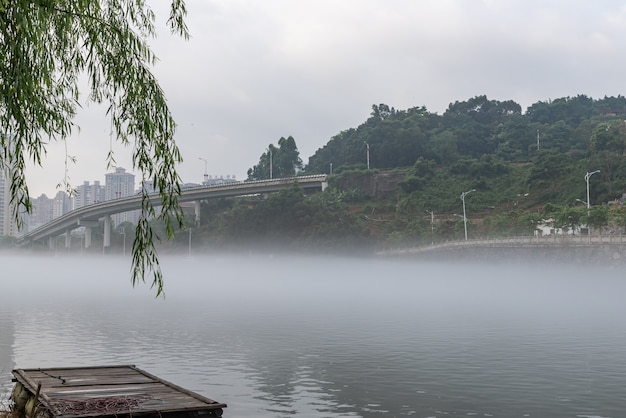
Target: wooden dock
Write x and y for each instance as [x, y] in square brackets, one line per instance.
[105, 392]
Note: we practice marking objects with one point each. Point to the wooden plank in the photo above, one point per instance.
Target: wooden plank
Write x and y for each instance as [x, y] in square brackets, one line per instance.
[88, 381]
[181, 389]
[67, 390]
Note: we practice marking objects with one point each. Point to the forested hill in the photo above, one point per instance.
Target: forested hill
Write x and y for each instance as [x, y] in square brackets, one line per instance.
[578, 127]
[525, 170]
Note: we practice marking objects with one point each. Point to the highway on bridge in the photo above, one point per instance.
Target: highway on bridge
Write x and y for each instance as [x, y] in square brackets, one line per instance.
[89, 215]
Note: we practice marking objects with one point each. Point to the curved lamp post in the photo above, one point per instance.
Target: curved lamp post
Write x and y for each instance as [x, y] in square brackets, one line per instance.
[587, 176]
[465, 217]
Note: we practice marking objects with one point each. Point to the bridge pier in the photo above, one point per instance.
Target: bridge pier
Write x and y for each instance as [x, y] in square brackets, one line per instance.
[51, 240]
[88, 237]
[106, 242]
[68, 238]
[88, 224]
[197, 212]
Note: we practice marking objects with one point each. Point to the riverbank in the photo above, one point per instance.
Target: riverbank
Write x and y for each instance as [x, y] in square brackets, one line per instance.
[567, 250]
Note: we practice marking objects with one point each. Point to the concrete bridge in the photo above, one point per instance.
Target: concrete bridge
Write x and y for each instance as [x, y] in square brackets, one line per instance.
[89, 216]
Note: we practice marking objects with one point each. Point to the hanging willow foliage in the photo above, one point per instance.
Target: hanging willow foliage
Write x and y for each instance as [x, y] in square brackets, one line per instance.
[45, 46]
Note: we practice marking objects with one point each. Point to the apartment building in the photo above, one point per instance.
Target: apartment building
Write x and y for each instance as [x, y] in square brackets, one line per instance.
[117, 185]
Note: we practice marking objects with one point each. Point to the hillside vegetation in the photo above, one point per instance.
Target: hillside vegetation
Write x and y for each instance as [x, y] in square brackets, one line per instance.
[526, 167]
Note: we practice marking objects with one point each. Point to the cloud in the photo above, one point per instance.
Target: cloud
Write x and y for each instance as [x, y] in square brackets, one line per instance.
[255, 71]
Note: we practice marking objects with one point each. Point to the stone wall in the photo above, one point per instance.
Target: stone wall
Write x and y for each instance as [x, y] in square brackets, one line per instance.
[602, 254]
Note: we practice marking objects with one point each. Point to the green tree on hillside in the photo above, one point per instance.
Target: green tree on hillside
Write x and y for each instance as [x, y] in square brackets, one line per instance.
[597, 217]
[571, 110]
[276, 162]
[46, 47]
[608, 147]
[288, 161]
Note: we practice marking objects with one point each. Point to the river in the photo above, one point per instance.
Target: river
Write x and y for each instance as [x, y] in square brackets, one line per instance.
[279, 336]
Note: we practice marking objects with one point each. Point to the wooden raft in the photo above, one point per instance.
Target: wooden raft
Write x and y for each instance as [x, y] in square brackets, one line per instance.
[105, 392]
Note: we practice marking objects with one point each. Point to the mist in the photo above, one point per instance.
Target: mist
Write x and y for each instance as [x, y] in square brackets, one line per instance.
[275, 335]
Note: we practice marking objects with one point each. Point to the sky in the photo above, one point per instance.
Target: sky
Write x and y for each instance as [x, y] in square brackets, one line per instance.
[255, 71]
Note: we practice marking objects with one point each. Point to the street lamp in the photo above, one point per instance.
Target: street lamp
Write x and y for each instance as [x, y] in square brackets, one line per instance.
[367, 154]
[464, 216]
[206, 168]
[587, 176]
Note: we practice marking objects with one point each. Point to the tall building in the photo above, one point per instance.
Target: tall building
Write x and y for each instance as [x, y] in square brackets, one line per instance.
[41, 213]
[61, 204]
[45, 210]
[117, 185]
[8, 226]
[88, 194]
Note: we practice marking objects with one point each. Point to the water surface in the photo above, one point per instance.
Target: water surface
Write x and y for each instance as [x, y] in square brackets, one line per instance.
[332, 337]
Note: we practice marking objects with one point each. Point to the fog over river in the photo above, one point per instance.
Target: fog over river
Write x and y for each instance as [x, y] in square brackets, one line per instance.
[280, 336]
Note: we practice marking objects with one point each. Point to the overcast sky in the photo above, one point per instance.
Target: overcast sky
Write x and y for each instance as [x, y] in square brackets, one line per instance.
[254, 71]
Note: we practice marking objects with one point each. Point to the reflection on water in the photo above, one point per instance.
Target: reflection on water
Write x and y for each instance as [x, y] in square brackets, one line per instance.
[312, 337]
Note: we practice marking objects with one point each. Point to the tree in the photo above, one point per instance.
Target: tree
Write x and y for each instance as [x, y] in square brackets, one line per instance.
[281, 161]
[264, 169]
[598, 217]
[288, 161]
[569, 218]
[46, 46]
[608, 147]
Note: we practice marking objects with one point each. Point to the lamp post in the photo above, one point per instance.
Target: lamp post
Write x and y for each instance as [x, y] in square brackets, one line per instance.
[367, 154]
[206, 168]
[464, 216]
[587, 176]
